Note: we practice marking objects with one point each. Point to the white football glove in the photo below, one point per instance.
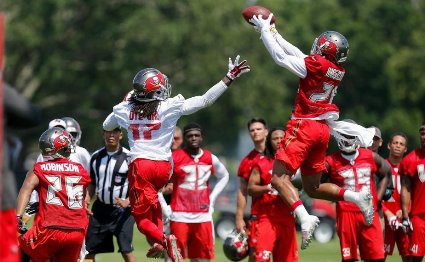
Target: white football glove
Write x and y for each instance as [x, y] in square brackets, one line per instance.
[406, 225]
[236, 69]
[394, 223]
[263, 24]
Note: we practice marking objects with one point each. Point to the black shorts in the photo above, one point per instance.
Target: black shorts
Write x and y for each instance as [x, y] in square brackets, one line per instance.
[108, 221]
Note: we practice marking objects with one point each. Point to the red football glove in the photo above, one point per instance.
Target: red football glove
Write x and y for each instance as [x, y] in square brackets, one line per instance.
[236, 69]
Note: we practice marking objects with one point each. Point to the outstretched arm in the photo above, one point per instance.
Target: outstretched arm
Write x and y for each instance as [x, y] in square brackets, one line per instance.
[110, 122]
[193, 104]
[289, 48]
[292, 59]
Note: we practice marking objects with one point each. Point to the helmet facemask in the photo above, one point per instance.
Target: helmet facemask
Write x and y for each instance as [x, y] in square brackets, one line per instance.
[347, 144]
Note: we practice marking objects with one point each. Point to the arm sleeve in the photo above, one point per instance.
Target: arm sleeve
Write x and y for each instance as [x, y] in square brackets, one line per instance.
[293, 63]
[289, 48]
[110, 122]
[193, 104]
[223, 177]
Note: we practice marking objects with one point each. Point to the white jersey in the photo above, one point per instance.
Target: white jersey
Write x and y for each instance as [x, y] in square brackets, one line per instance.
[151, 137]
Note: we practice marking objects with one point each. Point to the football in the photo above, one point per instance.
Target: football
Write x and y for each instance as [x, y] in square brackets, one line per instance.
[250, 11]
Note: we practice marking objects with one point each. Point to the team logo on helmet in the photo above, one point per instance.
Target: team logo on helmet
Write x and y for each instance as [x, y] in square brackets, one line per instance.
[154, 82]
[327, 47]
[61, 141]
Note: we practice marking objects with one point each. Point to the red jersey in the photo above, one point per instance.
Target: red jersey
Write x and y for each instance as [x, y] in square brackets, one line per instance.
[246, 164]
[393, 204]
[353, 175]
[269, 204]
[191, 189]
[62, 190]
[413, 165]
[317, 89]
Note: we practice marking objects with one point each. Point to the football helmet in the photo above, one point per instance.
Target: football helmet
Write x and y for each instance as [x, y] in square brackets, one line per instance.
[55, 143]
[150, 84]
[332, 45]
[347, 143]
[73, 128]
[235, 246]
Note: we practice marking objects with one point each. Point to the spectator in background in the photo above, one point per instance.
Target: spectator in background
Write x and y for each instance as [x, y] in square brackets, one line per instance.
[19, 113]
[272, 228]
[149, 116]
[257, 129]
[60, 226]
[412, 174]
[111, 212]
[377, 140]
[177, 139]
[391, 208]
[353, 168]
[192, 201]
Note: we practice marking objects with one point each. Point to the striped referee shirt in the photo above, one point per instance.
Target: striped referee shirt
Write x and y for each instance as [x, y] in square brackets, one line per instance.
[109, 174]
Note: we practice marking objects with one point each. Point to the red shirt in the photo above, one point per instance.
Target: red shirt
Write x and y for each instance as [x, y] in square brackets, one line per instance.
[413, 165]
[317, 89]
[245, 166]
[353, 175]
[191, 189]
[62, 190]
[393, 204]
[269, 204]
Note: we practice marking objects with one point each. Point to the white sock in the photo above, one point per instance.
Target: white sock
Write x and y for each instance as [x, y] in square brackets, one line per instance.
[351, 196]
[302, 214]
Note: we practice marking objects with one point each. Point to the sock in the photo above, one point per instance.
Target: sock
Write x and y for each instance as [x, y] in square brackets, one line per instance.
[300, 211]
[151, 231]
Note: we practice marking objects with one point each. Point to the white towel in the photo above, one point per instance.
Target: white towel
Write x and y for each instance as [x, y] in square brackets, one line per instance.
[364, 135]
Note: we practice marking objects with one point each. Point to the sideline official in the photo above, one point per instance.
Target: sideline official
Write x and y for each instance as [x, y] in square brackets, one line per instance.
[110, 214]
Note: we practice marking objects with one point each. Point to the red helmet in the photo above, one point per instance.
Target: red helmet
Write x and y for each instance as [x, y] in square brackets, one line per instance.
[150, 84]
[332, 45]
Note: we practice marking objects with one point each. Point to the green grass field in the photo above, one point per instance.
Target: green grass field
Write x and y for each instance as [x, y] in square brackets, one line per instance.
[315, 253]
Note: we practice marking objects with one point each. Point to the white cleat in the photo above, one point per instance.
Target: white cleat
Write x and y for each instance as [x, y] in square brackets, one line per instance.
[366, 205]
[307, 230]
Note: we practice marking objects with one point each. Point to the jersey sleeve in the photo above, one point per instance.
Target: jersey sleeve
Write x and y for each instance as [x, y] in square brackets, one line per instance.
[405, 167]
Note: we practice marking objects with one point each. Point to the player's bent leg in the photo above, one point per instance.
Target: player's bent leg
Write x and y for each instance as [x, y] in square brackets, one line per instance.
[281, 181]
[314, 189]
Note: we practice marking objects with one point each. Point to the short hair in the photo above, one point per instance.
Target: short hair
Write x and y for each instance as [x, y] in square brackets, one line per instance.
[191, 126]
[256, 120]
[398, 134]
